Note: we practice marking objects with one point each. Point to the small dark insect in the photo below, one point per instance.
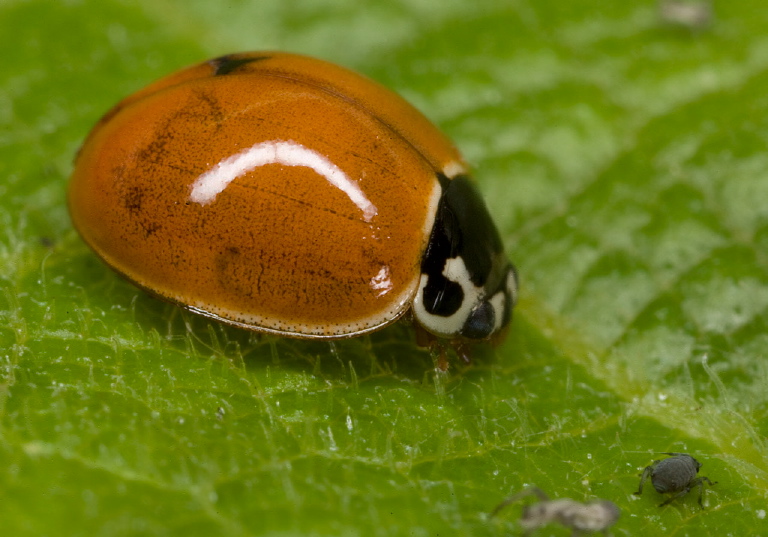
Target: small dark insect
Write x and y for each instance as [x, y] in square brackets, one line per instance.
[675, 475]
[597, 515]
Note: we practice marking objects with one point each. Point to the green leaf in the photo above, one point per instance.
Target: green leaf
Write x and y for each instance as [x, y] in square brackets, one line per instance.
[625, 162]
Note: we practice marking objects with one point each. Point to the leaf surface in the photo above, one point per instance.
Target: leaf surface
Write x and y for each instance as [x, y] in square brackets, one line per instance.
[624, 160]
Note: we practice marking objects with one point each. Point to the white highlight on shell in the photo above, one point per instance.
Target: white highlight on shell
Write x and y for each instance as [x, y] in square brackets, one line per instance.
[288, 153]
[381, 283]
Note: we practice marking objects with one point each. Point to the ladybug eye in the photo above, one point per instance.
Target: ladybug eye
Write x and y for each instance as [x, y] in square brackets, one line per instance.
[480, 322]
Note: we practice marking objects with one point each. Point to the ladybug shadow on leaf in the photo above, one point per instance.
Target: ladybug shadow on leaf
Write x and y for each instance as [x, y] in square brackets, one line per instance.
[392, 352]
[388, 353]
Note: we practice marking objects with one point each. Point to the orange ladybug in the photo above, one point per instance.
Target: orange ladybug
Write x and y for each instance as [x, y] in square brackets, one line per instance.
[284, 194]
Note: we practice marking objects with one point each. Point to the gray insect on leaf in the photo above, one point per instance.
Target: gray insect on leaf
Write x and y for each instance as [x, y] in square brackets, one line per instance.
[676, 475]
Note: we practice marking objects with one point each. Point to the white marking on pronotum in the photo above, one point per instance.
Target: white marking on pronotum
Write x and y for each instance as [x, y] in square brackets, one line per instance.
[453, 168]
[456, 271]
[512, 287]
[498, 302]
[288, 153]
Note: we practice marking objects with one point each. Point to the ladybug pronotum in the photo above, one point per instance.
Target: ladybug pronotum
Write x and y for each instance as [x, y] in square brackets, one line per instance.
[284, 194]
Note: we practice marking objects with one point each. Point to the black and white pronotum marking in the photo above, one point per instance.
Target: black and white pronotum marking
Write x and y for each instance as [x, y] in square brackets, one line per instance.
[468, 287]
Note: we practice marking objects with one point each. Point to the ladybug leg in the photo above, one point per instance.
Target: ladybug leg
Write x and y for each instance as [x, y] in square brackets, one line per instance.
[435, 345]
[442, 359]
[423, 338]
[463, 350]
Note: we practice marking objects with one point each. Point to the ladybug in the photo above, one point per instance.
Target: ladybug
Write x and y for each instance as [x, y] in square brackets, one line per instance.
[284, 194]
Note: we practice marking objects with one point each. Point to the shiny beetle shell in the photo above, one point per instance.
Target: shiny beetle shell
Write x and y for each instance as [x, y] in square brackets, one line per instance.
[285, 194]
